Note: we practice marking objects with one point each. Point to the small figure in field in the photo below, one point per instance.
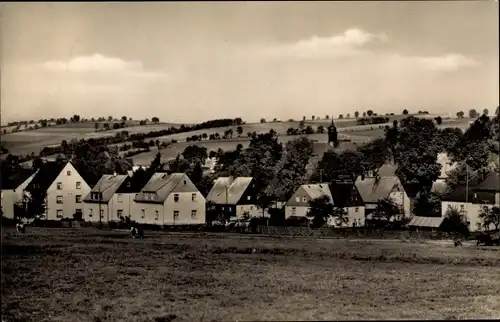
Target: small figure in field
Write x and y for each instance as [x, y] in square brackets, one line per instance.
[21, 229]
[457, 242]
[137, 232]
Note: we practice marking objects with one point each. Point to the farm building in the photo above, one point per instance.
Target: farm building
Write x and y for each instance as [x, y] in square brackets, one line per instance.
[111, 199]
[169, 199]
[64, 188]
[373, 189]
[13, 190]
[346, 195]
[482, 191]
[298, 204]
[235, 197]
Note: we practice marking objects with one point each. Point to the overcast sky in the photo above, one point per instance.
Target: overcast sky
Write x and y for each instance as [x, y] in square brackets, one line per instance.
[189, 62]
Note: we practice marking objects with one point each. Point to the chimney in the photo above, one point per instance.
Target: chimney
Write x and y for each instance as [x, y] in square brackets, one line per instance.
[363, 176]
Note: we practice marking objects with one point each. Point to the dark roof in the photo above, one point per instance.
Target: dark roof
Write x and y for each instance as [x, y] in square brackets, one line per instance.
[16, 179]
[46, 175]
[477, 191]
[342, 193]
[131, 186]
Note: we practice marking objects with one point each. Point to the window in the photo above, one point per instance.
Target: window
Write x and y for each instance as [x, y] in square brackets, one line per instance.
[157, 214]
[59, 213]
[249, 197]
[119, 213]
[185, 182]
[297, 199]
[193, 197]
[222, 208]
[59, 199]
[128, 184]
[193, 214]
[176, 197]
[59, 186]
[304, 199]
[78, 211]
[78, 185]
[120, 197]
[356, 209]
[68, 173]
[294, 210]
[143, 213]
[91, 212]
[102, 213]
[251, 207]
[176, 214]
[78, 198]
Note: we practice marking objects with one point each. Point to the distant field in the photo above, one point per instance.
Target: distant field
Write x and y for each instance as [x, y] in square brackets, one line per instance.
[34, 141]
[172, 151]
[90, 275]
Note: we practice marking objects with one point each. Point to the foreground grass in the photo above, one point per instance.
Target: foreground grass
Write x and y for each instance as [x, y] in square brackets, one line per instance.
[90, 275]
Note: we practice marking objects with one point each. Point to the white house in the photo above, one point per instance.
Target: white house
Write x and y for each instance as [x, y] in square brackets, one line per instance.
[298, 204]
[373, 189]
[169, 200]
[112, 197]
[235, 197]
[13, 190]
[470, 200]
[64, 188]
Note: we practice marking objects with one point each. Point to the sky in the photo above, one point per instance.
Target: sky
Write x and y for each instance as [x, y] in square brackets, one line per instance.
[194, 61]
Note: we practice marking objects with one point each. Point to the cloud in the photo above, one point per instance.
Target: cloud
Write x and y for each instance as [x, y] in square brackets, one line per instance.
[349, 43]
[450, 62]
[98, 63]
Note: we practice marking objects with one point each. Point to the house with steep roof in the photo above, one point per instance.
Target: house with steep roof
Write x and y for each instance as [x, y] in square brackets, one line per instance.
[235, 197]
[169, 199]
[12, 190]
[346, 195]
[373, 189]
[111, 199]
[298, 204]
[64, 190]
[481, 191]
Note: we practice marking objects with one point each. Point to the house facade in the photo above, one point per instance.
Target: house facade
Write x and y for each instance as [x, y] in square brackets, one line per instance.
[12, 192]
[345, 195]
[472, 199]
[169, 200]
[111, 199]
[373, 189]
[64, 187]
[235, 198]
[298, 204]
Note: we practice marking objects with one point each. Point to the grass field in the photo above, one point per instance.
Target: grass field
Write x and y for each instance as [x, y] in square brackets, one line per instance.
[90, 275]
[34, 141]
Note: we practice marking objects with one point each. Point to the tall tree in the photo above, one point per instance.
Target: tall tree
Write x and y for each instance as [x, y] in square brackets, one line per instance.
[490, 216]
[320, 210]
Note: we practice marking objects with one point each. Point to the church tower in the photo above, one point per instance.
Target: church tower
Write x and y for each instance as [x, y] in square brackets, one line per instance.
[332, 135]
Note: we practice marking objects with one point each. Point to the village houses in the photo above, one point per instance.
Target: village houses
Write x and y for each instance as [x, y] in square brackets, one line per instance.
[13, 191]
[64, 187]
[483, 190]
[169, 199]
[235, 198]
[111, 199]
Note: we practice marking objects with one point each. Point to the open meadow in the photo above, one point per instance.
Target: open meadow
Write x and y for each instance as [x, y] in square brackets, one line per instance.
[25, 142]
[83, 274]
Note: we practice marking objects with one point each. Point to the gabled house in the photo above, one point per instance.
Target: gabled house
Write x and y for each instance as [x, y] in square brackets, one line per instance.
[235, 197]
[298, 204]
[481, 192]
[64, 188]
[373, 189]
[112, 198]
[13, 190]
[169, 199]
[346, 195]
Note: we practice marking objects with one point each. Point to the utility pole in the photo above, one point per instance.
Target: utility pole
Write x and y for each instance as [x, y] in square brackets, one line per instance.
[99, 201]
[320, 175]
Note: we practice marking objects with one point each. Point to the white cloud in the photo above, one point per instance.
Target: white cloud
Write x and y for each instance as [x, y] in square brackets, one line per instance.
[98, 63]
[348, 43]
[450, 62]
